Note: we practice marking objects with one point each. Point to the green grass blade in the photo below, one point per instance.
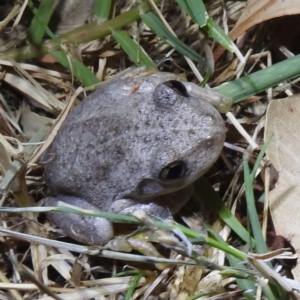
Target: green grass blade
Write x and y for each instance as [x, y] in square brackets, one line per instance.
[261, 246]
[203, 188]
[78, 69]
[271, 291]
[259, 81]
[218, 34]
[83, 34]
[102, 9]
[267, 291]
[244, 284]
[260, 157]
[196, 10]
[43, 25]
[133, 50]
[183, 4]
[260, 243]
[154, 22]
[133, 286]
[36, 31]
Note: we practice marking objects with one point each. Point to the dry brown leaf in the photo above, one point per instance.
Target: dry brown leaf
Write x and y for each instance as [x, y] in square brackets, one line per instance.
[257, 12]
[32, 122]
[186, 279]
[283, 151]
[263, 10]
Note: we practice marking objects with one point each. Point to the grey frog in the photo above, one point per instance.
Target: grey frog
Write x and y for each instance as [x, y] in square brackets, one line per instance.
[140, 141]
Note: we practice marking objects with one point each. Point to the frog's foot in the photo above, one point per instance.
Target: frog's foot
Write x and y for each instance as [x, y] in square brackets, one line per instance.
[85, 229]
[128, 206]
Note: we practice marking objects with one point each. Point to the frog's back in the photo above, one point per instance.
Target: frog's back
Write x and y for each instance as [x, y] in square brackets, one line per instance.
[90, 149]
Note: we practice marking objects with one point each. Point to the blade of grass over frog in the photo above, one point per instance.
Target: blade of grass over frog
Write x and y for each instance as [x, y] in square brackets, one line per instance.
[133, 286]
[190, 233]
[133, 50]
[260, 244]
[209, 241]
[154, 22]
[244, 284]
[259, 81]
[79, 70]
[83, 34]
[102, 9]
[96, 213]
[67, 209]
[36, 31]
[105, 253]
[203, 188]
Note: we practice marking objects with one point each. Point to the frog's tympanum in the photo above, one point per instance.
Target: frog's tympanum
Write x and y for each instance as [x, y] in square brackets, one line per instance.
[139, 142]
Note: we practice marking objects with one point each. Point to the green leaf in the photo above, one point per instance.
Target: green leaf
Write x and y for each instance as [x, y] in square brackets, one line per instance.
[80, 71]
[217, 33]
[197, 10]
[102, 8]
[133, 286]
[259, 81]
[252, 212]
[83, 34]
[203, 188]
[184, 5]
[154, 22]
[133, 50]
[36, 30]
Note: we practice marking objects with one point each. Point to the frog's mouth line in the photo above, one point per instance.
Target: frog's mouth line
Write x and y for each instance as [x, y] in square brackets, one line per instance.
[149, 188]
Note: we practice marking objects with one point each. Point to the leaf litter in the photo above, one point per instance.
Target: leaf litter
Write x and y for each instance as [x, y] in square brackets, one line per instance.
[45, 82]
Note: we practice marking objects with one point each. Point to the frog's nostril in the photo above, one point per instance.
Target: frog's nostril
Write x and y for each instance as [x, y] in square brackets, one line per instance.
[178, 87]
[167, 93]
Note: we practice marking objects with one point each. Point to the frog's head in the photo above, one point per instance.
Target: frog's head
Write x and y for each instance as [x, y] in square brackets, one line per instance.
[190, 138]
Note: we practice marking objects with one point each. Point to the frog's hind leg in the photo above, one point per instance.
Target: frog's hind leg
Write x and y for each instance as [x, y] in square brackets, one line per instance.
[85, 229]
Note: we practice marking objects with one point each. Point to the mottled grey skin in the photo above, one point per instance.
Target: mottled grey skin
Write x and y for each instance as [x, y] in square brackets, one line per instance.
[134, 143]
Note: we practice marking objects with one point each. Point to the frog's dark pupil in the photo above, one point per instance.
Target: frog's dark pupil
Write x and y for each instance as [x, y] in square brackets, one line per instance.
[178, 87]
[174, 171]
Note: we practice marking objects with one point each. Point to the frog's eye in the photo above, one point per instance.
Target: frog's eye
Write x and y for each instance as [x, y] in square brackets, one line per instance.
[174, 171]
[178, 87]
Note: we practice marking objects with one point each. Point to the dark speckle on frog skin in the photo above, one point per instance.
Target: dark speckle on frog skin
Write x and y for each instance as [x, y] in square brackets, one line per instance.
[129, 151]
